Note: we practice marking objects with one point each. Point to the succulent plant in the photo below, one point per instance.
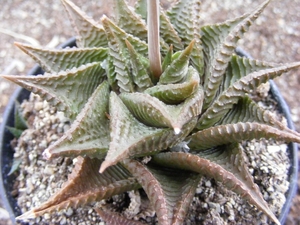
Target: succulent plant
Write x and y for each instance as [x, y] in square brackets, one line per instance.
[156, 102]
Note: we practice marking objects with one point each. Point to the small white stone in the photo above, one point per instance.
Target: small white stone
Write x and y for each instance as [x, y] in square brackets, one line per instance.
[48, 170]
[46, 216]
[63, 221]
[69, 212]
[208, 183]
[273, 148]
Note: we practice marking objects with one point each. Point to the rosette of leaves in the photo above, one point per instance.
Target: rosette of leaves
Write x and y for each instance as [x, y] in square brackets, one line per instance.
[154, 83]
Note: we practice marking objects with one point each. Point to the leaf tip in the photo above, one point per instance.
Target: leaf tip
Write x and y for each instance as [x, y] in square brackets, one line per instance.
[104, 18]
[26, 216]
[11, 78]
[177, 130]
[105, 165]
[18, 44]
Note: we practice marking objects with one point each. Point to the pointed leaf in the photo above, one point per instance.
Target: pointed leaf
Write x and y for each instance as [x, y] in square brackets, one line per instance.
[86, 185]
[20, 124]
[112, 218]
[231, 96]
[219, 42]
[170, 191]
[177, 70]
[130, 138]
[154, 112]
[119, 52]
[129, 20]
[15, 132]
[225, 164]
[89, 133]
[168, 33]
[176, 93]
[109, 67]
[246, 110]
[240, 67]
[112, 29]
[15, 165]
[168, 58]
[62, 59]
[236, 133]
[90, 34]
[68, 91]
[184, 16]
[139, 70]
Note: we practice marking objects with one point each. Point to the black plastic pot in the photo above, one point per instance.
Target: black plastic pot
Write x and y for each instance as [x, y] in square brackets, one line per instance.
[6, 151]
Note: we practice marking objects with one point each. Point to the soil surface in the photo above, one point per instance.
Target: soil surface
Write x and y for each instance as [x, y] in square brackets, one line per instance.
[274, 37]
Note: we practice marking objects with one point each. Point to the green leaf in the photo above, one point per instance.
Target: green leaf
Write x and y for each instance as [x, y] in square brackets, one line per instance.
[89, 133]
[130, 138]
[141, 8]
[177, 71]
[153, 112]
[240, 88]
[246, 110]
[168, 33]
[138, 69]
[54, 61]
[15, 132]
[184, 16]
[119, 53]
[219, 43]
[168, 58]
[68, 90]
[20, 124]
[225, 164]
[236, 133]
[116, 32]
[240, 67]
[86, 185]
[111, 74]
[15, 165]
[90, 33]
[170, 191]
[19, 120]
[176, 93]
[129, 20]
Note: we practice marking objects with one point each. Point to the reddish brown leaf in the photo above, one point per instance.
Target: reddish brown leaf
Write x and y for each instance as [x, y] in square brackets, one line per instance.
[225, 164]
[170, 191]
[112, 218]
[86, 185]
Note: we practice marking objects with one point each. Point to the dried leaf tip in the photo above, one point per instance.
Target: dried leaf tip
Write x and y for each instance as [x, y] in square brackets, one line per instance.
[26, 216]
[177, 130]
[153, 37]
[104, 166]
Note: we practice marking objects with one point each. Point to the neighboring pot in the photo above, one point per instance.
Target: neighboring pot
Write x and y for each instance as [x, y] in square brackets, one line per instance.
[6, 151]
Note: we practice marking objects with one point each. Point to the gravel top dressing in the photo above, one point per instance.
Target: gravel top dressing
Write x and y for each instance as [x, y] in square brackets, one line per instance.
[213, 204]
